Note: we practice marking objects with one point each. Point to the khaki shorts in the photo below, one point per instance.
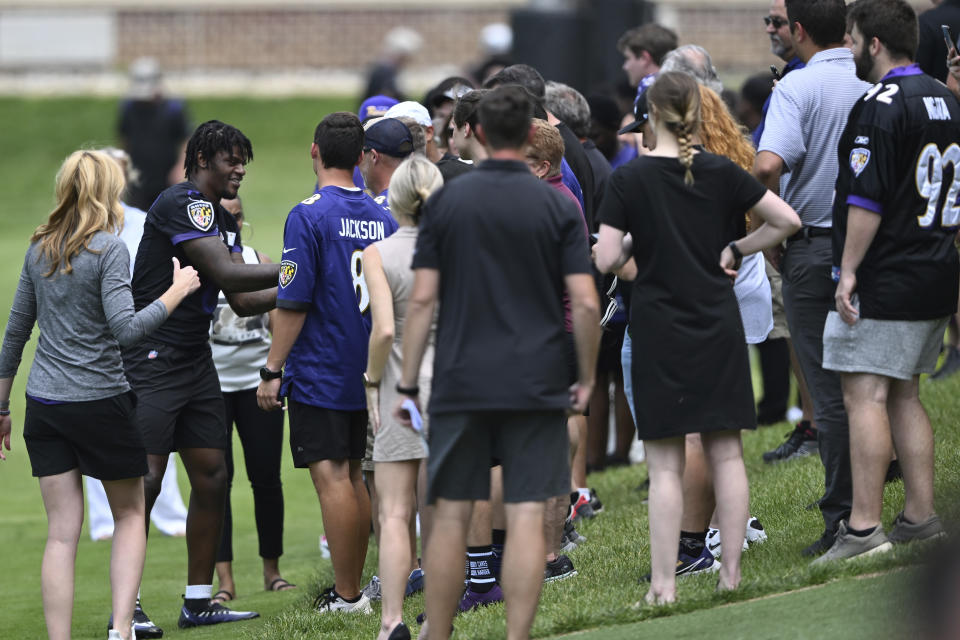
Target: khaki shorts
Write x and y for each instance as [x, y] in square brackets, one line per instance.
[780, 329]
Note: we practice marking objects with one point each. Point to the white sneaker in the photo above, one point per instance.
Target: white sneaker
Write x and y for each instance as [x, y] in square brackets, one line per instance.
[330, 600]
[755, 534]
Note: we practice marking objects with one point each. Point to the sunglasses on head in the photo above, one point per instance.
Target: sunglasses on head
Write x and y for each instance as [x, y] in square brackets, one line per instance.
[776, 21]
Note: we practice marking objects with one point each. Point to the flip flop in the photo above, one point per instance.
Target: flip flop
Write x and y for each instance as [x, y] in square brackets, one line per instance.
[281, 585]
[222, 596]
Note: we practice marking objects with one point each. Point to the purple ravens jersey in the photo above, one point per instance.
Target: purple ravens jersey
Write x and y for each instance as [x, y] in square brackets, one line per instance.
[180, 213]
[321, 273]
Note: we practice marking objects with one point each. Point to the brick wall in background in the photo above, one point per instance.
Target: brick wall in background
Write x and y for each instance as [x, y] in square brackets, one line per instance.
[294, 38]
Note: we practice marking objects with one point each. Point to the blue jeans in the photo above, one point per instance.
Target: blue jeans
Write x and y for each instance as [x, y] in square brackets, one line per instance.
[626, 361]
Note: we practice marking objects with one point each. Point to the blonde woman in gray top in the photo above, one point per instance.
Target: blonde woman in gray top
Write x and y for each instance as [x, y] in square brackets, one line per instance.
[75, 285]
[398, 450]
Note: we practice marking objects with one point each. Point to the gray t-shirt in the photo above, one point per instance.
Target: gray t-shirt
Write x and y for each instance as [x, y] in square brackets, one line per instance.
[84, 319]
[808, 112]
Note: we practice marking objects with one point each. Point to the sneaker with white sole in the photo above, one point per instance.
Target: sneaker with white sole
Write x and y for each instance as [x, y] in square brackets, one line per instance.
[560, 568]
[330, 600]
[848, 546]
[688, 565]
[755, 535]
[904, 531]
[213, 613]
[372, 590]
[143, 627]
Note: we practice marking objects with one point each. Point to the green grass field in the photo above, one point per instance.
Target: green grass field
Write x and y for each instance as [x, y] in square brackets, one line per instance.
[601, 601]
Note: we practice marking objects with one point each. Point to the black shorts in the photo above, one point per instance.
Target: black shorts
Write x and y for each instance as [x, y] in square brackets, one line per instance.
[325, 434]
[99, 437]
[532, 446]
[179, 404]
[611, 342]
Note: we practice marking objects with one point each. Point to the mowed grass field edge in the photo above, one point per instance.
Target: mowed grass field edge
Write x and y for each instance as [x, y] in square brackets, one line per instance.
[40, 133]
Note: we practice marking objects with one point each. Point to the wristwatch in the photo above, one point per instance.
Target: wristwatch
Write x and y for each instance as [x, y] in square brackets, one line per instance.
[266, 374]
[370, 384]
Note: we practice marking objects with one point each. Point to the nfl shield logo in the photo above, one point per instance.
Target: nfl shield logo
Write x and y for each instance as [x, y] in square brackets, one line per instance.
[200, 213]
[288, 270]
[859, 158]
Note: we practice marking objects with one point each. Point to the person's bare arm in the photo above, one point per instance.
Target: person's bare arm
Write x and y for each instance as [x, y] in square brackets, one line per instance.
[6, 425]
[286, 329]
[612, 249]
[252, 303]
[862, 226]
[779, 222]
[211, 258]
[628, 272]
[381, 331]
[767, 168]
[416, 331]
[585, 313]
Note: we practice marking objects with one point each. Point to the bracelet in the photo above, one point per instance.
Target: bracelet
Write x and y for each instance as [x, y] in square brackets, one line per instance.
[413, 391]
[735, 250]
[4, 412]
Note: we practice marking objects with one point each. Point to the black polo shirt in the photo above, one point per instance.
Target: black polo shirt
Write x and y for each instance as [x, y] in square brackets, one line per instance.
[503, 242]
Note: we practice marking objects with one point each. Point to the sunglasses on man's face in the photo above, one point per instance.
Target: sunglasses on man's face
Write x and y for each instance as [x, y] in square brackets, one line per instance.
[776, 21]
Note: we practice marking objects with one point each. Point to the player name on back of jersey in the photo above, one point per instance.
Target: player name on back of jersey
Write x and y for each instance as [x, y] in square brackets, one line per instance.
[361, 229]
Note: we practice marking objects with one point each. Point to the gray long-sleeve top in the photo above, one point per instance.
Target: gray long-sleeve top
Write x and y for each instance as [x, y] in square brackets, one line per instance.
[84, 318]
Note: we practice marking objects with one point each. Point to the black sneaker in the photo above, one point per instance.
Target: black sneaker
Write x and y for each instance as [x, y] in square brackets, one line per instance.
[688, 564]
[595, 502]
[801, 442]
[822, 544]
[213, 613]
[951, 364]
[559, 569]
[571, 538]
[143, 627]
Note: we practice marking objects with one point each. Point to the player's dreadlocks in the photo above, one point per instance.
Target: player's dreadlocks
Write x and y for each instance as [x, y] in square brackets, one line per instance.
[213, 136]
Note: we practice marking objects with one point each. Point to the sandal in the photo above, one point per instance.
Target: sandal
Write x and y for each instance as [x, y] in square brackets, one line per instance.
[222, 596]
[281, 585]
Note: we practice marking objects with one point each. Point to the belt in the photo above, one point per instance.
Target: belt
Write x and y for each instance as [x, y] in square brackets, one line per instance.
[810, 232]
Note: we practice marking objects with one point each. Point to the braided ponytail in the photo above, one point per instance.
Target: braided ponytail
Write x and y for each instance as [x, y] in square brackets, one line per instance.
[686, 152]
[676, 98]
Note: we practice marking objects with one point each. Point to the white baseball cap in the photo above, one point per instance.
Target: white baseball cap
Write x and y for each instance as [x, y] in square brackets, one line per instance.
[410, 109]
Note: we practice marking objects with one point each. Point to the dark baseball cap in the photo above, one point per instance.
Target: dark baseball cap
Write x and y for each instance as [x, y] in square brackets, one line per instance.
[389, 136]
[640, 110]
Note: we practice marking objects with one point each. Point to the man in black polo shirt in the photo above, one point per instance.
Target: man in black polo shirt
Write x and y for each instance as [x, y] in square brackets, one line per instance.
[500, 379]
[895, 217]
[180, 407]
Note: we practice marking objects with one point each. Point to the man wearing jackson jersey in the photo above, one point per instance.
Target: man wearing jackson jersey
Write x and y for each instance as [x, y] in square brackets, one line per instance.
[895, 216]
[180, 407]
[320, 339]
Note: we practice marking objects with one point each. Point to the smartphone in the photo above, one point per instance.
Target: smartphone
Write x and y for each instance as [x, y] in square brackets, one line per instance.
[948, 38]
[775, 72]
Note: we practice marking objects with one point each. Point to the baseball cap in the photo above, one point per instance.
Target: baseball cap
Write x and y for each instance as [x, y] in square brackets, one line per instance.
[144, 78]
[389, 136]
[640, 110]
[410, 109]
[375, 106]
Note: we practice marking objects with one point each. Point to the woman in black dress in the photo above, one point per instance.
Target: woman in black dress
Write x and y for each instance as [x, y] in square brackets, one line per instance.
[683, 211]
